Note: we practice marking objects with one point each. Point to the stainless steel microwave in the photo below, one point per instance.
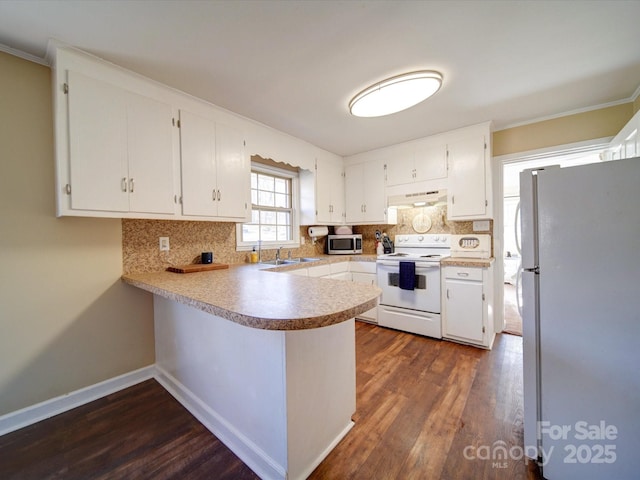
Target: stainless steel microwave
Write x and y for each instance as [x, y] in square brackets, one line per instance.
[344, 244]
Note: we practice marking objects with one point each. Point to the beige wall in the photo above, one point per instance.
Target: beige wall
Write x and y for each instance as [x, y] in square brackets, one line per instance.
[605, 122]
[66, 320]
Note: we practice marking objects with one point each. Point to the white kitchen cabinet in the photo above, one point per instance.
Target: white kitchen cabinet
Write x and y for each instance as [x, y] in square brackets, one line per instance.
[120, 149]
[365, 272]
[467, 305]
[319, 270]
[351, 271]
[215, 172]
[418, 161]
[469, 191]
[329, 191]
[365, 193]
[322, 192]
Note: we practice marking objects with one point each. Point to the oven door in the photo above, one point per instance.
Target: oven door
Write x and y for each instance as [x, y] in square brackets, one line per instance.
[424, 298]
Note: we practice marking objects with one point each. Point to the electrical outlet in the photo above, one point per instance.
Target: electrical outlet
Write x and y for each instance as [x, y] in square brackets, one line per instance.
[164, 244]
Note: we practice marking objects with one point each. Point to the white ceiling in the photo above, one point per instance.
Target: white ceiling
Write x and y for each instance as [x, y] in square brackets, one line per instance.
[294, 65]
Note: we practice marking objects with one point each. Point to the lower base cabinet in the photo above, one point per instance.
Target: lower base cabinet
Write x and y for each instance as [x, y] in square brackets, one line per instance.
[467, 300]
[352, 271]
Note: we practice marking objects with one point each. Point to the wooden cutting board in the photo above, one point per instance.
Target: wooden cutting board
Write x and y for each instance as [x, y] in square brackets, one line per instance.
[197, 267]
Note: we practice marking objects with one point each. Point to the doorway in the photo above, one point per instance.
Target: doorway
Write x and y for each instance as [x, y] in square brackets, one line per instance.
[511, 257]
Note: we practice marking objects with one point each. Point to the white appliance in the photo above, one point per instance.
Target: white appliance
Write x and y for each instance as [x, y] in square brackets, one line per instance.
[415, 307]
[344, 244]
[581, 319]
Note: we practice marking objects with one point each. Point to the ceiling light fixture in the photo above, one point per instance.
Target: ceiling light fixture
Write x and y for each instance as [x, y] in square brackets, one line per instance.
[395, 94]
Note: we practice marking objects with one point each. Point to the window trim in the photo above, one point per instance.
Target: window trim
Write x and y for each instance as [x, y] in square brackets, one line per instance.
[295, 212]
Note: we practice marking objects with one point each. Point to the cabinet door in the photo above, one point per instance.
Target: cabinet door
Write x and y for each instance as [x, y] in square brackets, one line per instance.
[329, 191]
[354, 193]
[97, 145]
[401, 165]
[233, 172]
[198, 150]
[463, 310]
[467, 178]
[430, 160]
[373, 191]
[150, 154]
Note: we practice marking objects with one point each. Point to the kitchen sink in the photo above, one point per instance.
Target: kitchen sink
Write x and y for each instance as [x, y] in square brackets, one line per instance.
[302, 260]
[290, 261]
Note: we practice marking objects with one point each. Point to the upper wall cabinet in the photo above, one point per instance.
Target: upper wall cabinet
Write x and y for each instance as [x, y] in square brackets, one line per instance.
[469, 192]
[322, 192]
[365, 197]
[120, 149]
[215, 171]
[417, 161]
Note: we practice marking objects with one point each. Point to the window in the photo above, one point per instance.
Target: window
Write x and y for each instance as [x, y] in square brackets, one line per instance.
[273, 210]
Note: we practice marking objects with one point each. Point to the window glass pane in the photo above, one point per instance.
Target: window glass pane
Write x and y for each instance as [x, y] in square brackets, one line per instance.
[255, 216]
[268, 233]
[284, 218]
[254, 180]
[254, 197]
[250, 233]
[281, 200]
[281, 185]
[283, 234]
[266, 199]
[266, 182]
[267, 217]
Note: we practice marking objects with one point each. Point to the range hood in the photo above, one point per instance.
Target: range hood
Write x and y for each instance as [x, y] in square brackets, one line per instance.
[418, 199]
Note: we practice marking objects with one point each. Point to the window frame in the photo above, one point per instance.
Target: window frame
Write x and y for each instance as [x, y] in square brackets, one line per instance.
[295, 209]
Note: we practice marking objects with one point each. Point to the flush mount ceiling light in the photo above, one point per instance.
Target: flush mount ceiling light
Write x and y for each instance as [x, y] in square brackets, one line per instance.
[395, 94]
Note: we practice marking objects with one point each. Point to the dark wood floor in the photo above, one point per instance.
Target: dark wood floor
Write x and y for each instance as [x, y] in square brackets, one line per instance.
[421, 405]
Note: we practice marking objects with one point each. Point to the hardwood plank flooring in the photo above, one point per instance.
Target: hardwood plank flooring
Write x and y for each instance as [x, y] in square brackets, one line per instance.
[421, 405]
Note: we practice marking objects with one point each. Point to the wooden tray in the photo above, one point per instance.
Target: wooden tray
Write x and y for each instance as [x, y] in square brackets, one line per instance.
[197, 267]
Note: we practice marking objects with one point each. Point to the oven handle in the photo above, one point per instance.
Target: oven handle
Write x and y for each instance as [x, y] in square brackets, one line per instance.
[389, 263]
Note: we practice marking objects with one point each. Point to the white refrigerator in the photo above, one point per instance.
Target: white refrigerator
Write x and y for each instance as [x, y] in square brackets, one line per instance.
[581, 319]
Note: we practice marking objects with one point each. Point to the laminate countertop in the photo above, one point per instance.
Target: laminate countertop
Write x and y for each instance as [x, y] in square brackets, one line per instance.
[466, 262]
[263, 296]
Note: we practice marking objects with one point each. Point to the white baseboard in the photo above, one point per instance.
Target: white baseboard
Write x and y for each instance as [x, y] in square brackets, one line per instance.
[27, 416]
[254, 457]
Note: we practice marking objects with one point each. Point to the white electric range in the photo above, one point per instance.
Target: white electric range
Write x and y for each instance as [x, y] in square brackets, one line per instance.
[410, 298]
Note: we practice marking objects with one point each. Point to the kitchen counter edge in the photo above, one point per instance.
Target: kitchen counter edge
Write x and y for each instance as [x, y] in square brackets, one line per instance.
[310, 303]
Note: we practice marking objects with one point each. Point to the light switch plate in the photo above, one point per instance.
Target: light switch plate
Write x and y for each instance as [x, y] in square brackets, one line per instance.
[481, 225]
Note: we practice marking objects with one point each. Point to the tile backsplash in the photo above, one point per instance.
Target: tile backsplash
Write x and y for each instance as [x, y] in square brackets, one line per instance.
[189, 238]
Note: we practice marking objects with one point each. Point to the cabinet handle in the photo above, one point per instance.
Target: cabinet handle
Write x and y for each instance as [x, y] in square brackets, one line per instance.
[131, 185]
[463, 274]
[213, 195]
[365, 208]
[218, 195]
[447, 294]
[123, 184]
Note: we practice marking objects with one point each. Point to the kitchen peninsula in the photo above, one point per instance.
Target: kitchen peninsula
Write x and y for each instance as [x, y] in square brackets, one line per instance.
[265, 360]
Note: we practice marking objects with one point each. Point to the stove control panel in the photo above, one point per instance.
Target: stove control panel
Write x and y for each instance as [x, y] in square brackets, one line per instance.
[431, 240]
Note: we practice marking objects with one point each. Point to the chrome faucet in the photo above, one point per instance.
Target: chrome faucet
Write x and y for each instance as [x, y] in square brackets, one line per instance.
[278, 254]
